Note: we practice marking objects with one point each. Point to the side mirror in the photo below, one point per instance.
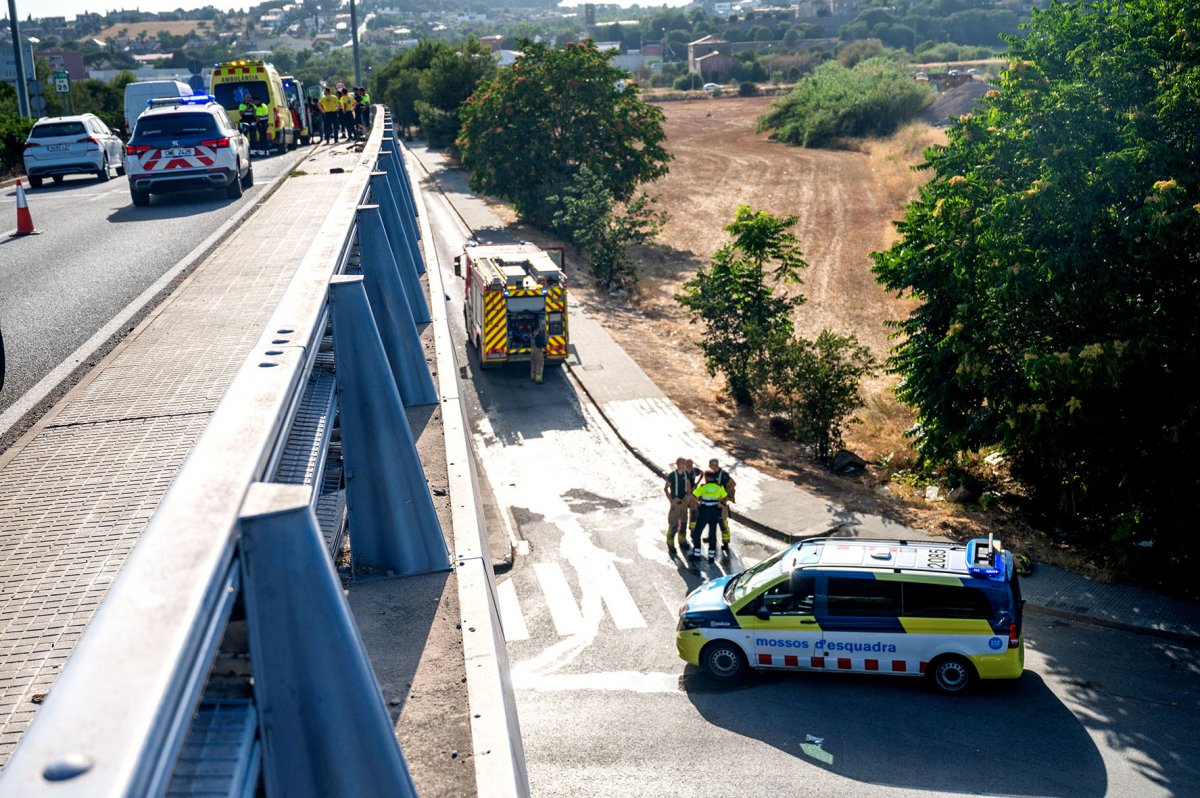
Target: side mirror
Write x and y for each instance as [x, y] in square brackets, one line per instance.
[762, 613]
[458, 265]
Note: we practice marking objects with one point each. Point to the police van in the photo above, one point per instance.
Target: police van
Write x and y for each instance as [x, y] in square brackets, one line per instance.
[945, 612]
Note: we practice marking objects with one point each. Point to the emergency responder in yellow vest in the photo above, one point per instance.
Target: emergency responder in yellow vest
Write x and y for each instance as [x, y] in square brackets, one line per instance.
[710, 497]
[346, 103]
[261, 113]
[330, 108]
[678, 489]
[248, 116]
[730, 485]
[362, 109]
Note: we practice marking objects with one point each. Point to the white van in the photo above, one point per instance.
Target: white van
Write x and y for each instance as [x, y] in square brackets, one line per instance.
[138, 95]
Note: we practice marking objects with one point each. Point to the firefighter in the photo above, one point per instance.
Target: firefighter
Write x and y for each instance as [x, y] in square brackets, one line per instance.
[730, 485]
[537, 354]
[678, 489]
[696, 475]
[709, 498]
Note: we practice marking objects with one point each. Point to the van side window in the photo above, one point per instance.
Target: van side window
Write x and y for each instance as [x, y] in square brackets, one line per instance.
[945, 601]
[863, 597]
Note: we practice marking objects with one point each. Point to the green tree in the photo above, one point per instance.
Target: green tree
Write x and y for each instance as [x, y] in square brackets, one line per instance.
[452, 76]
[1054, 254]
[528, 130]
[818, 385]
[745, 322]
[588, 217]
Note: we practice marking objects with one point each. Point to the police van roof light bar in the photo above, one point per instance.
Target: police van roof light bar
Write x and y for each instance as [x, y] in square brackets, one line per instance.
[191, 99]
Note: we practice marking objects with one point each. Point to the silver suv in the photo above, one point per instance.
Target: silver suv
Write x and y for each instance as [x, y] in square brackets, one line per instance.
[70, 145]
[185, 144]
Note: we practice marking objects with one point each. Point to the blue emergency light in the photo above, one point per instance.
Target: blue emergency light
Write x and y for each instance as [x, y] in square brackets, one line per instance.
[987, 560]
[190, 99]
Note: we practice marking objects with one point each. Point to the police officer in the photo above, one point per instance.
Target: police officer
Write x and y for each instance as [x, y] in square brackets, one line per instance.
[696, 476]
[730, 485]
[678, 490]
[362, 108]
[710, 496]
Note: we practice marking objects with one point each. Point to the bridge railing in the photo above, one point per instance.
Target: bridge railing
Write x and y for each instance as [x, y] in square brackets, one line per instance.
[225, 655]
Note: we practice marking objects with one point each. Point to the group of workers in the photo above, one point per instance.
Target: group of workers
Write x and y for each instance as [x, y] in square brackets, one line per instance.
[344, 113]
[253, 116]
[696, 506]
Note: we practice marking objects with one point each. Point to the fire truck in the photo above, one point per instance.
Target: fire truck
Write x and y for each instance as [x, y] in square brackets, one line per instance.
[512, 290]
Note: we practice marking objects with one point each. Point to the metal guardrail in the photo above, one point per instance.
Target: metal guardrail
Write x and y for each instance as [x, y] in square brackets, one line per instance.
[201, 670]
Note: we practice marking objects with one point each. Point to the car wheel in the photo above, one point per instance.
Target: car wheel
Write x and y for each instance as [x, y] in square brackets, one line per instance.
[723, 661]
[234, 189]
[951, 675]
[57, 178]
[248, 178]
[140, 198]
[121, 169]
[103, 173]
[35, 182]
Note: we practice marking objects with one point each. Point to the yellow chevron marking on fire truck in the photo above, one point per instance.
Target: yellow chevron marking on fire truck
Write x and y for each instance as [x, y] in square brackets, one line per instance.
[494, 334]
[555, 301]
[556, 345]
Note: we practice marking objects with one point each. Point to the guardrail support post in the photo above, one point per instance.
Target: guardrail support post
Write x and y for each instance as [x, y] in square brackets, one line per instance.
[393, 524]
[324, 725]
[393, 161]
[408, 255]
[393, 310]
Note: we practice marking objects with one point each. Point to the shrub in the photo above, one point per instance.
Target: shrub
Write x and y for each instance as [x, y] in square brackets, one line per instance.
[747, 88]
[13, 132]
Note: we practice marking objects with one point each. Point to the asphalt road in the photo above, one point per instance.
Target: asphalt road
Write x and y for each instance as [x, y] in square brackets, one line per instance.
[95, 255]
[607, 708]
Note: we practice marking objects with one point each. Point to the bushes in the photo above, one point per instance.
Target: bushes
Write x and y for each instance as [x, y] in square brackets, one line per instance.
[872, 99]
[13, 132]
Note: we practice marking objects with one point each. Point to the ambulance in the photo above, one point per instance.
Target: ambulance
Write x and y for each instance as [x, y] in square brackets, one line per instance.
[511, 290]
[232, 80]
[945, 612]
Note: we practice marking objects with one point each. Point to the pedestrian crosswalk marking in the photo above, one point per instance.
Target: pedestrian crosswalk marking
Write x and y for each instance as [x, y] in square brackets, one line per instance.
[563, 610]
[511, 618]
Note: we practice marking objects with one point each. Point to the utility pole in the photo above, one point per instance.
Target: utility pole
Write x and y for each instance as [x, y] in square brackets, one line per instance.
[22, 88]
[353, 42]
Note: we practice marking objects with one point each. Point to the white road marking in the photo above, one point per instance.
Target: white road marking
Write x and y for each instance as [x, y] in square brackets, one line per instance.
[568, 620]
[617, 598]
[510, 612]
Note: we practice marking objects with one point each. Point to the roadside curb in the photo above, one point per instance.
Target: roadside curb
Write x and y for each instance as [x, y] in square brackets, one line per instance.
[1192, 641]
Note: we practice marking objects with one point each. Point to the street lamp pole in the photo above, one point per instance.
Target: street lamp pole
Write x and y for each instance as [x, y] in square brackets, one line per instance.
[22, 89]
[353, 43]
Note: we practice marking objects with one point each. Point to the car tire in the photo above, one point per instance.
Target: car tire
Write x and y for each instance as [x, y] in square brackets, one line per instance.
[58, 178]
[103, 173]
[234, 189]
[248, 178]
[35, 182]
[140, 198]
[951, 675]
[121, 169]
[723, 661]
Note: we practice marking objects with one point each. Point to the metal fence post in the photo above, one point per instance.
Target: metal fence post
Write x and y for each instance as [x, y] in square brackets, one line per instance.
[393, 310]
[393, 161]
[324, 725]
[393, 523]
[408, 257]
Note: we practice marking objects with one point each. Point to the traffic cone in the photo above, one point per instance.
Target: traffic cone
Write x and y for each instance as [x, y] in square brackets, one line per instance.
[24, 220]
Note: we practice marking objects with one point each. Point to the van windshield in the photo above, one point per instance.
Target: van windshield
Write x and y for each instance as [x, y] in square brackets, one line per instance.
[231, 95]
[753, 579]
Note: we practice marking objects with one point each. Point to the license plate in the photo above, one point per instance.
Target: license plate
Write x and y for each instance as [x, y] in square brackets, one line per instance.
[58, 147]
[179, 152]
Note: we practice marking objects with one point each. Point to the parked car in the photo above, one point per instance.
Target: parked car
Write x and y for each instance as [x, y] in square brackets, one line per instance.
[71, 145]
[185, 144]
[712, 88]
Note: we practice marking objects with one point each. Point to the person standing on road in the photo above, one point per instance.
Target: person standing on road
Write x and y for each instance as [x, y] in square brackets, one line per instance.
[678, 489]
[362, 110]
[330, 111]
[537, 354]
[261, 112]
[730, 485]
[709, 497]
[695, 474]
[346, 105]
[248, 116]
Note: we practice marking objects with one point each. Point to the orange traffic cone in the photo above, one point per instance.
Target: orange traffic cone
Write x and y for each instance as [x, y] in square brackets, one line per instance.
[24, 220]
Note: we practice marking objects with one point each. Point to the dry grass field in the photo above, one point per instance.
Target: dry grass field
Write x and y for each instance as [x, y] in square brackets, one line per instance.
[845, 201]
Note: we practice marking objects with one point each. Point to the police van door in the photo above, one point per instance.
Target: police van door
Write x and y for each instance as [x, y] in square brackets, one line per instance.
[783, 630]
[859, 614]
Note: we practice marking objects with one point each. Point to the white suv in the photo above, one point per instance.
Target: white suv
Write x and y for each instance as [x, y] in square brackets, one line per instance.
[185, 144]
[70, 145]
